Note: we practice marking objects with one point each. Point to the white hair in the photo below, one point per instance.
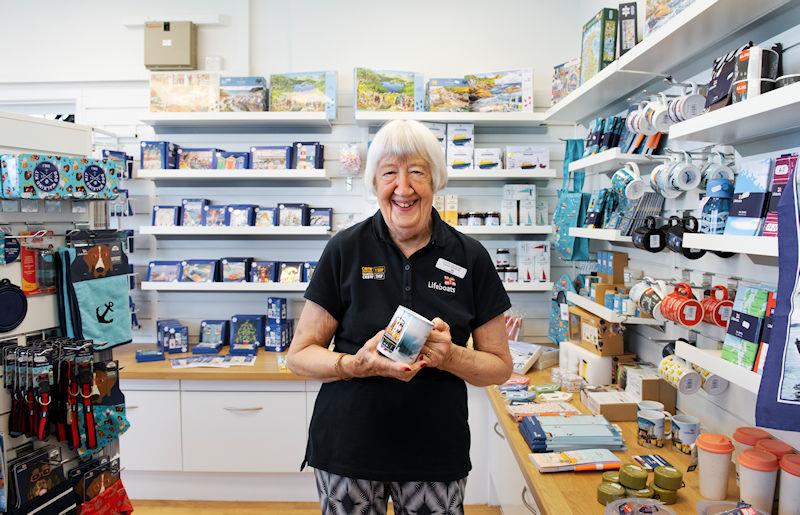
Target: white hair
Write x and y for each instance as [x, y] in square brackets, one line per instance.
[406, 138]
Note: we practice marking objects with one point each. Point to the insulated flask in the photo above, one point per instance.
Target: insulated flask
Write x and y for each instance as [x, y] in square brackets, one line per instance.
[675, 234]
[647, 237]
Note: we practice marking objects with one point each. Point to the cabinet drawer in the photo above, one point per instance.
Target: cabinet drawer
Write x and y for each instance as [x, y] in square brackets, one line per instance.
[243, 431]
[153, 442]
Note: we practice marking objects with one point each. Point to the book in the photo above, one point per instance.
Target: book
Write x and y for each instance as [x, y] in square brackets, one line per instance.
[581, 460]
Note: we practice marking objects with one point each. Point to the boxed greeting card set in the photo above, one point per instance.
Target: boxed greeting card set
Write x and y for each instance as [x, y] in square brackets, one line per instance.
[201, 212]
[163, 155]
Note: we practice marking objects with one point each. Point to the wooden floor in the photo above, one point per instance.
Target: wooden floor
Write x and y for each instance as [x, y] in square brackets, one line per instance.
[253, 508]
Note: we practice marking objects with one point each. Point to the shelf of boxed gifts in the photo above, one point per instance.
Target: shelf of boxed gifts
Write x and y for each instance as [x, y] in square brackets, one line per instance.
[504, 230]
[609, 161]
[753, 245]
[234, 122]
[599, 234]
[202, 231]
[501, 174]
[712, 361]
[607, 314]
[769, 114]
[235, 176]
[502, 119]
[523, 287]
[223, 286]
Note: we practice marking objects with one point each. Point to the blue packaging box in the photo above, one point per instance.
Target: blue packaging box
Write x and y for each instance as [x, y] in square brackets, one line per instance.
[198, 158]
[242, 94]
[240, 215]
[754, 176]
[309, 267]
[216, 215]
[276, 337]
[235, 269]
[232, 160]
[264, 272]
[247, 330]
[199, 270]
[145, 355]
[193, 212]
[207, 348]
[166, 216]
[292, 215]
[122, 161]
[271, 157]
[303, 91]
[276, 310]
[176, 339]
[320, 216]
[36, 176]
[243, 349]
[308, 155]
[266, 216]
[94, 178]
[160, 325]
[214, 331]
[158, 155]
[744, 326]
[164, 271]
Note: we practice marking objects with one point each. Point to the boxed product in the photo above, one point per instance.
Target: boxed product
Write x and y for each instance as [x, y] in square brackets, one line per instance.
[533, 261]
[293, 215]
[782, 174]
[461, 135]
[290, 272]
[207, 348]
[508, 212]
[148, 355]
[659, 12]
[199, 270]
[164, 271]
[566, 79]
[166, 216]
[276, 310]
[389, 90]
[264, 272]
[240, 215]
[510, 90]
[160, 326]
[739, 352]
[309, 267]
[438, 205]
[610, 401]
[184, 91]
[91, 179]
[459, 158]
[214, 331]
[197, 158]
[193, 212]
[448, 95]
[438, 129]
[247, 331]
[276, 337]
[303, 91]
[215, 215]
[308, 155]
[271, 157]
[176, 339]
[320, 217]
[235, 270]
[597, 335]
[158, 155]
[527, 157]
[242, 94]
[232, 160]
[527, 211]
[122, 161]
[598, 43]
[644, 384]
[488, 159]
[451, 209]
[35, 176]
[266, 216]
[519, 191]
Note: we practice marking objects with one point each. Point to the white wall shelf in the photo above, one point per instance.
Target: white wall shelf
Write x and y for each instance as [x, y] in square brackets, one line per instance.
[503, 230]
[234, 122]
[770, 114]
[528, 287]
[712, 361]
[222, 232]
[599, 234]
[22, 133]
[607, 314]
[223, 287]
[518, 119]
[753, 245]
[229, 177]
[501, 175]
[610, 161]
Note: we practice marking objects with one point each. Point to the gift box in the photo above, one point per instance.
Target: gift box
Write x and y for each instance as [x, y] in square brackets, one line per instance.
[276, 337]
[247, 330]
[214, 331]
[158, 155]
[308, 155]
[193, 212]
[199, 270]
[264, 272]
[290, 272]
[303, 91]
[276, 310]
[176, 339]
[271, 157]
[242, 94]
[266, 216]
[215, 216]
[232, 160]
[235, 270]
[320, 217]
[308, 270]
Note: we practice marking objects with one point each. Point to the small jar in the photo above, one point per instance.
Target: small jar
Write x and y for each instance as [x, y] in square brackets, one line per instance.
[462, 219]
[492, 218]
[474, 218]
[502, 257]
[501, 271]
[511, 274]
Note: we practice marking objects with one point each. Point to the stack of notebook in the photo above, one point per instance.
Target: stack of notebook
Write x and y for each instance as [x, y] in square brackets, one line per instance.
[557, 433]
[584, 460]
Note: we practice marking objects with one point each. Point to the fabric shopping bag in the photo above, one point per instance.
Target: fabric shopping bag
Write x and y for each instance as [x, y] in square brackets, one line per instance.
[571, 209]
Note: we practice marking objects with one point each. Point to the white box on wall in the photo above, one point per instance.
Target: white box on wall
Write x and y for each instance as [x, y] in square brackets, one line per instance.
[527, 211]
[508, 212]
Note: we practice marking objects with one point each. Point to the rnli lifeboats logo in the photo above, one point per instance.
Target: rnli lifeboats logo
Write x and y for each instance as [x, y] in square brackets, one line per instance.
[377, 273]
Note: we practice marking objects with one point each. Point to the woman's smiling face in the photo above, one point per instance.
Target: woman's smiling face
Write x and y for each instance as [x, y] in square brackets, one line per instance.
[405, 194]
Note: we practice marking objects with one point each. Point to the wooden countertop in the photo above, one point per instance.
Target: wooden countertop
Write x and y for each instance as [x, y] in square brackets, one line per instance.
[265, 368]
[560, 493]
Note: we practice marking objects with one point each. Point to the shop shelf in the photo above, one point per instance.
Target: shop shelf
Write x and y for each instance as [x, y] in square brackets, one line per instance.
[753, 245]
[712, 361]
[196, 232]
[528, 287]
[235, 122]
[223, 287]
[610, 161]
[502, 230]
[599, 234]
[230, 177]
[505, 120]
[501, 175]
[607, 314]
[770, 114]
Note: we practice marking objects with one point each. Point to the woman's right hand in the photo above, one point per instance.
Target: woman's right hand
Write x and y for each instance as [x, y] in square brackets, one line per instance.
[368, 362]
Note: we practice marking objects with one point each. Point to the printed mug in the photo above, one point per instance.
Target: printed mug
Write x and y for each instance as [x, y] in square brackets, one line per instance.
[684, 175]
[681, 307]
[715, 168]
[717, 308]
[652, 430]
[659, 180]
[656, 113]
[685, 430]
[647, 237]
[627, 182]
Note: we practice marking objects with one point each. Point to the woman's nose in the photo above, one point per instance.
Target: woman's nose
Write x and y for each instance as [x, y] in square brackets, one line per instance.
[404, 183]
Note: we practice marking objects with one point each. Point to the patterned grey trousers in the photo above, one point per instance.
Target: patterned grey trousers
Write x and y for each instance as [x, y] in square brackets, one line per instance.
[339, 495]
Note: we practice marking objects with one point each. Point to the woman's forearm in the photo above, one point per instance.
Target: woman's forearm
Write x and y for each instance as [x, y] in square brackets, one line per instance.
[315, 362]
[476, 367]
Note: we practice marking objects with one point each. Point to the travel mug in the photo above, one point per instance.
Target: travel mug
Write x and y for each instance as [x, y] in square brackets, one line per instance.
[789, 501]
[714, 460]
[746, 438]
[758, 471]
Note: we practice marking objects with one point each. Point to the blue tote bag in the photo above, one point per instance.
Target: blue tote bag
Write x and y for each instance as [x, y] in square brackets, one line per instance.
[571, 209]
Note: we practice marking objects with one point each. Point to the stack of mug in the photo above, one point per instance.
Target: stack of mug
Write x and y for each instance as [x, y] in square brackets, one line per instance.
[680, 375]
[659, 112]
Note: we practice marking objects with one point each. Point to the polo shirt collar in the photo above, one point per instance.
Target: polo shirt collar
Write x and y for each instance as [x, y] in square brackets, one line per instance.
[440, 235]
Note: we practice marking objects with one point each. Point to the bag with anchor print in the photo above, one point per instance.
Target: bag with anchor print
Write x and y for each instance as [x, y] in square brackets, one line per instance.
[95, 289]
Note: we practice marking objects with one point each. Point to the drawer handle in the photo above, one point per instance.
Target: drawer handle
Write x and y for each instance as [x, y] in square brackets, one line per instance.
[256, 408]
[497, 430]
[526, 503]
[128, 408]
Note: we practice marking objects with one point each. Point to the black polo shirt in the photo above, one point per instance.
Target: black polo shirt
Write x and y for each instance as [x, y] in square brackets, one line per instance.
[384, 429]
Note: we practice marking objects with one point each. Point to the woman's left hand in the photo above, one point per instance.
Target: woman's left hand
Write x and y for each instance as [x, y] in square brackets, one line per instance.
[437, 349]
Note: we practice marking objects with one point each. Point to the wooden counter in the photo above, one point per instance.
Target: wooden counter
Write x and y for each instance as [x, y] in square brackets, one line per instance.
[265, 368]
[561, 493]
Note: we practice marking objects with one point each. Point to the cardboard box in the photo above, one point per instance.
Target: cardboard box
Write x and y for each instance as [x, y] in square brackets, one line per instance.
[527, 211]
[610, 401]
[508, 212]
[597, 335]
[601, 288]
[488, 158]
[643, 383]
[611, 267]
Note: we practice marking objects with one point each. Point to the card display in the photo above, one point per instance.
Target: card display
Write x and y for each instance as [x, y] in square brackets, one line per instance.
[266, 216]
[232, 160]
[166, 216]
[164, 271]
[197, 158]
[264, 272]
[240, 215]
[290, 272]
[502, 91]
[215, 215]
[235, 270]
[193, 212]
[199, 270]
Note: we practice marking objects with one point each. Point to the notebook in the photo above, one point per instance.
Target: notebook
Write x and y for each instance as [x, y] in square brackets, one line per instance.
[582, 460]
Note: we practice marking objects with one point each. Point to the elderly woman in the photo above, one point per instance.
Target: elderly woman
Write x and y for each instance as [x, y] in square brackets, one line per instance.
[382, 428]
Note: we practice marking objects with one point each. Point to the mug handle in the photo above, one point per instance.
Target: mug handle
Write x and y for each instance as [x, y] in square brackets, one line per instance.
[667, 417]
[713, 293]
[634, 168]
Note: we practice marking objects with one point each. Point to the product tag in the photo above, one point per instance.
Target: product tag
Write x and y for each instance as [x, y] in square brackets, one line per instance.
[451, 268]
[564, 312]
[166, 42]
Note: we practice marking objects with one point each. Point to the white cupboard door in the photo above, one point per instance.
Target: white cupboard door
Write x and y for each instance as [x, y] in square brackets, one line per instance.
[243, 431]
[153, 442]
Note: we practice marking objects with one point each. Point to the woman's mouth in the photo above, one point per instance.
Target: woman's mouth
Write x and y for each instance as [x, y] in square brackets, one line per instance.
[404, 205]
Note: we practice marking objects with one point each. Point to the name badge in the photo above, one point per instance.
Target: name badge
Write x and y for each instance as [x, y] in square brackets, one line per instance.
[451, 268]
